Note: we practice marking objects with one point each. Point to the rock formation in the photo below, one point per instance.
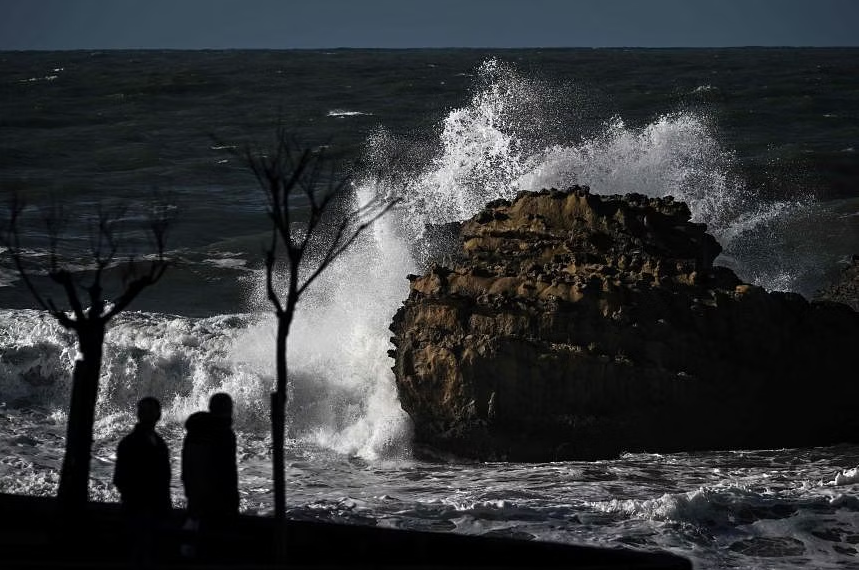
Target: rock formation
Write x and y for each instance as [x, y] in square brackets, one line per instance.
[580, 326]
[845, 289]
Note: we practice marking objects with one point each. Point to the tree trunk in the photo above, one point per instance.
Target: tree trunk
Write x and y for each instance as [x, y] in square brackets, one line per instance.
[278, 419]
[74, 478]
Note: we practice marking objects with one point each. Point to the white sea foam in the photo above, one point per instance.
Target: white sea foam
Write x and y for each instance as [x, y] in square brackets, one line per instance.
[226, 262]
[342, 394]
[491, 149]
[745, 509]
[36, 357]
[701, 506]
[181, 361]
[846, 477]
[340, 113]
[35, 79]
[342, 391]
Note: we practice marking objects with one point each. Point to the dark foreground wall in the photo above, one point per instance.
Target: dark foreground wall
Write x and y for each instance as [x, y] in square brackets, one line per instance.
[34, 535]
[578, 326]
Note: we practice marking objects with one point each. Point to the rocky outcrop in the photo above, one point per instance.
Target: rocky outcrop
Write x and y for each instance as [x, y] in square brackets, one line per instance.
[845, 289]
[580, 326]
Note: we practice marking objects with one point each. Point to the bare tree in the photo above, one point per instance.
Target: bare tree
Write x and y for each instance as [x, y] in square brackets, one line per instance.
[314, 223]
[88, 323]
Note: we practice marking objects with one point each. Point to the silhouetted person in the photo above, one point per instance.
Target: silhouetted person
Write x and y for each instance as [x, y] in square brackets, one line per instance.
[209, 466]
[142, 475]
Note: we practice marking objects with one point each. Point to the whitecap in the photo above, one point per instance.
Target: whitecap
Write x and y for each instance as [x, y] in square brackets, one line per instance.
[846, 477]
[340, 113]
[227, 262]
[342, 394]
[34, 79]
[844, 501]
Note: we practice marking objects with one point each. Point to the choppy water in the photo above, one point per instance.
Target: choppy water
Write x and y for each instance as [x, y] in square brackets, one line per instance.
[760, 143]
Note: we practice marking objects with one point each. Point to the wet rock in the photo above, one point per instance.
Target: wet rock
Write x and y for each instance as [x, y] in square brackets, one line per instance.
[845, 289]
[573, 325]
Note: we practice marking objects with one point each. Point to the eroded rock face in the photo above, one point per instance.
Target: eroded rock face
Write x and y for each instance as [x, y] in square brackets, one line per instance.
[581, 326]
[845, 289]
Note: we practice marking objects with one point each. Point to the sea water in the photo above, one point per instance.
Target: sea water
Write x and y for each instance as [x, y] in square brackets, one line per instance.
[759, 143]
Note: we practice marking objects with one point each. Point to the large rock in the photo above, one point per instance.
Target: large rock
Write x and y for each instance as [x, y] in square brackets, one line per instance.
[845, 289]
[580, 326]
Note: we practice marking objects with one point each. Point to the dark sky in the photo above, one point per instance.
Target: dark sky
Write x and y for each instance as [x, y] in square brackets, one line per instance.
[192, 24]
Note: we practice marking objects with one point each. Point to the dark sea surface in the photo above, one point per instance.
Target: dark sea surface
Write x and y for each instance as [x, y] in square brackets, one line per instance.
[761, 143]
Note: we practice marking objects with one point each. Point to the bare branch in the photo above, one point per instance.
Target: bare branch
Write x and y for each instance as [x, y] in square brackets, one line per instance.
[338, 248]
[100, 238]
[63, 319]
[11, 240]
[319, 209]
[64, 279]
[128, 295]
[270, 258]
[159, 219]
[89, 325]
[25, 276]
[280, 176]
[106, 242]
[105, 239]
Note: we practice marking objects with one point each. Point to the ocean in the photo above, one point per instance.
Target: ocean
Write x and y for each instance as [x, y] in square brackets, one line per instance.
[761, 143]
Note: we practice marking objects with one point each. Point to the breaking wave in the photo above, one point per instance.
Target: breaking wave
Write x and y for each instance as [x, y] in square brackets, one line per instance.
[343, 395]
[492, 148]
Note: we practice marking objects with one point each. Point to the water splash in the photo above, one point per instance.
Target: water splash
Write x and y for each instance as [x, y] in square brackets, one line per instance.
[491, 148]
[343, 395]
[342, 392]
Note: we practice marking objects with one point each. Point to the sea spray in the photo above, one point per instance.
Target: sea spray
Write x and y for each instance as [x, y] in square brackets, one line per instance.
[491, 148]
[341, 388]
[343, 392]
[729, 509]
[179, 360]
[36, 359]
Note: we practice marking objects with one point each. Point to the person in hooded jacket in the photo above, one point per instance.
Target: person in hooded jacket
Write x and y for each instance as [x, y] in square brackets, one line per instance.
[209, 470]
[210, 477]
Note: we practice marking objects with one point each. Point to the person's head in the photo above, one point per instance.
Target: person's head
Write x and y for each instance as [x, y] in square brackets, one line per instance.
[221, 406]
[148, 411]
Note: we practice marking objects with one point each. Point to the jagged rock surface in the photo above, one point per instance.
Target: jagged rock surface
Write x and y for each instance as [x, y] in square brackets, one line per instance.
[580, 326]
[845, 289]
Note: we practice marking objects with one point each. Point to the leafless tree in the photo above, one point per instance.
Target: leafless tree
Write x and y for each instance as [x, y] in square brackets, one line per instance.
[313, 223]
[89, 323]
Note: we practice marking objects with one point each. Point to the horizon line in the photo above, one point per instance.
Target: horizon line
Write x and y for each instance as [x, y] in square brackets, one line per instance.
[366, 48]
